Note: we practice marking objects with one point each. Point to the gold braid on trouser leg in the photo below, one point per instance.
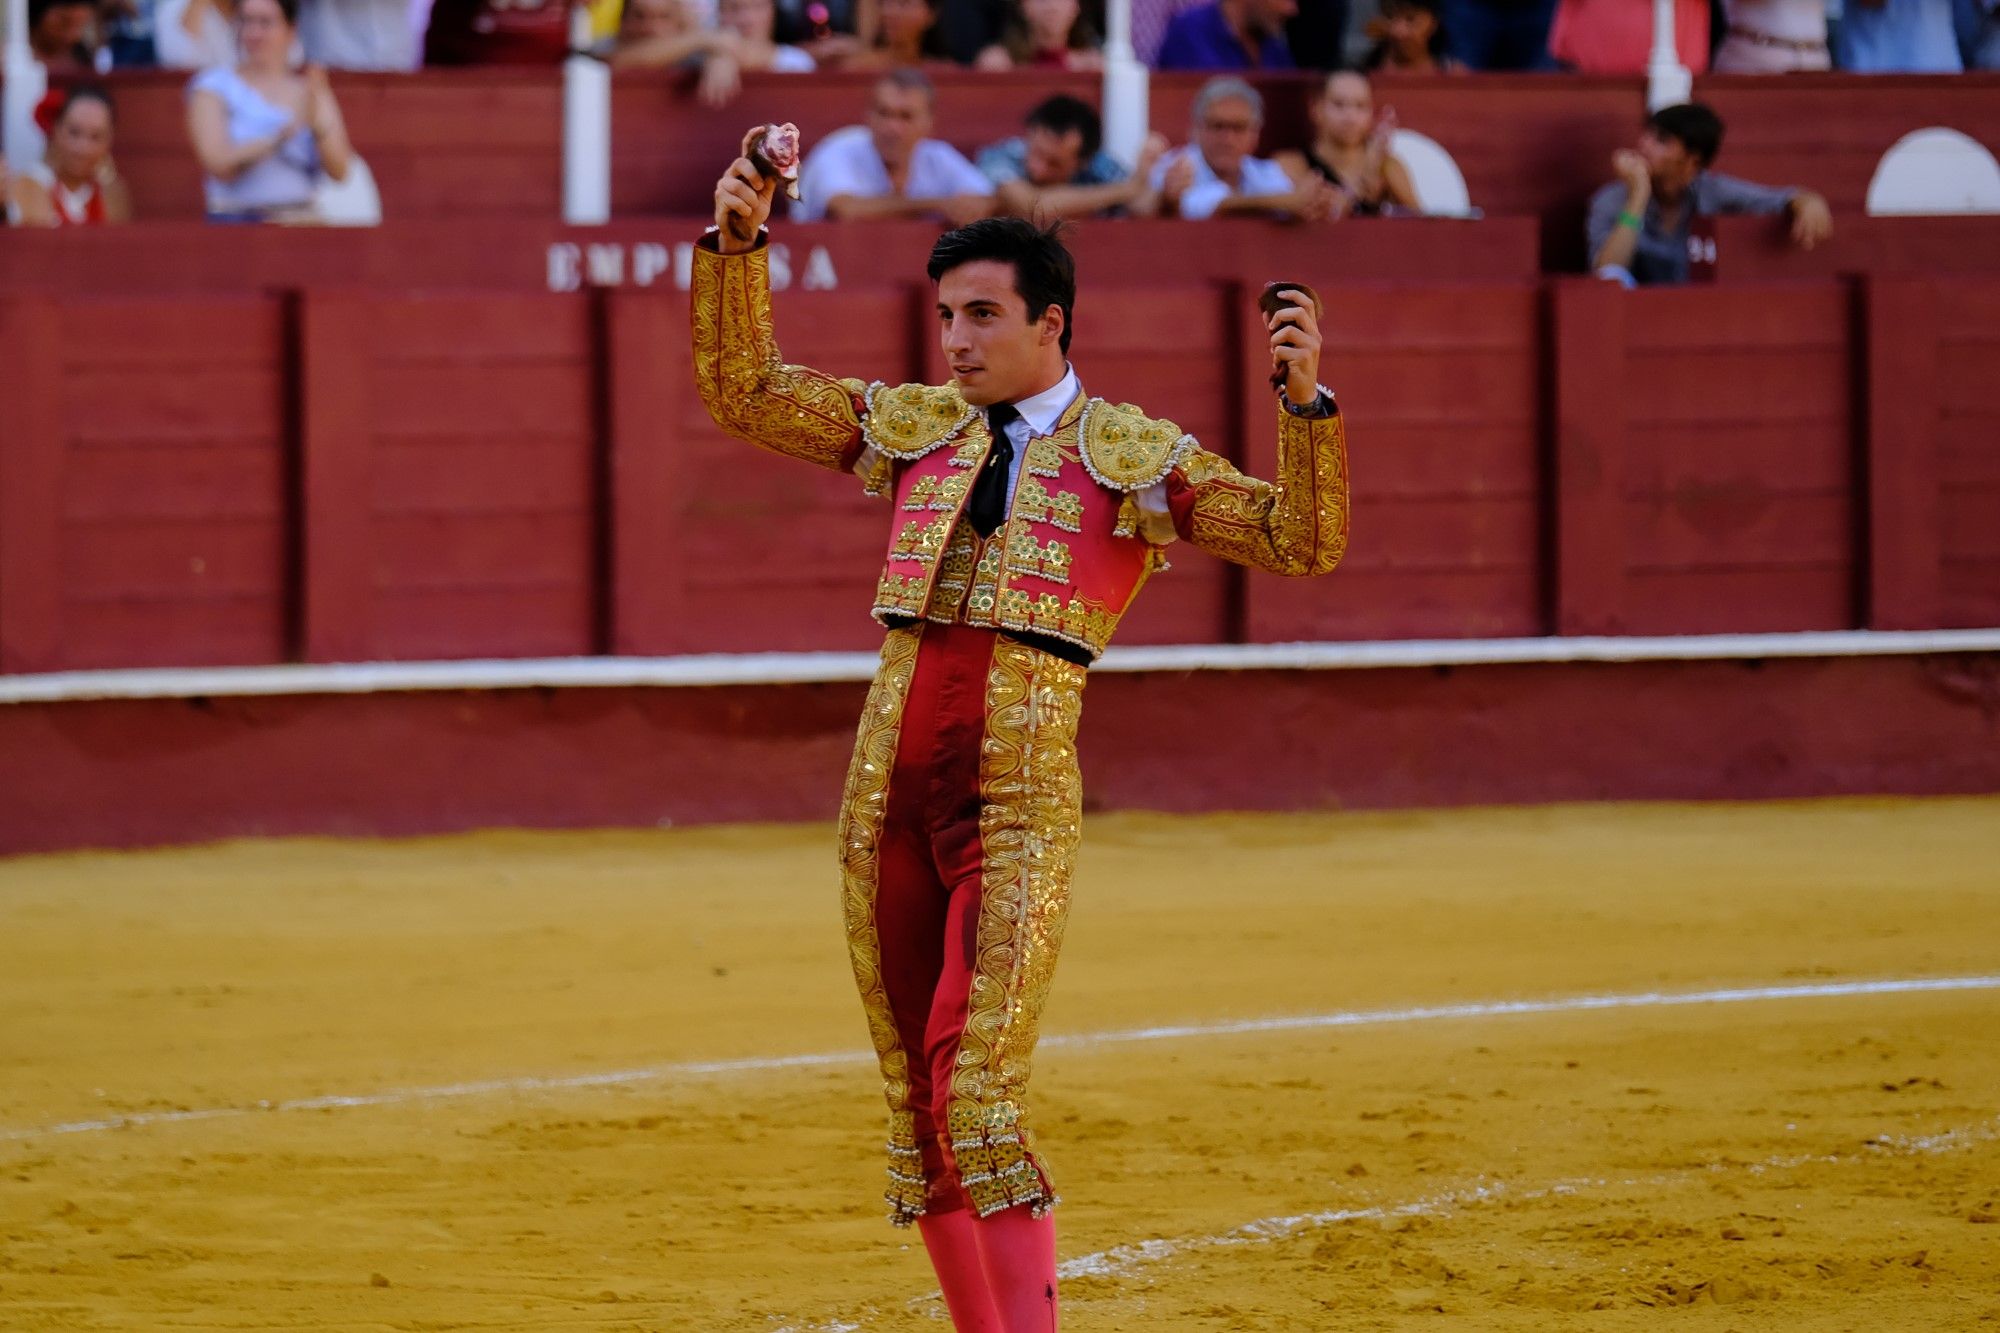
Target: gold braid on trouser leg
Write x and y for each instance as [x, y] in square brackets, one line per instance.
[862, 810]
[1030, 822]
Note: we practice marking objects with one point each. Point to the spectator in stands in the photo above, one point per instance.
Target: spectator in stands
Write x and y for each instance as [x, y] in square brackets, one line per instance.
[1045, 34]
[264, 132]
[1218, 176]
[195, 34]
[1229, 34]
[127, 26]
[1978, 23]
[373, 35]
[1057, 168]
[907, 36]
[75, 185]
[1500, 34]
[755, 24]
[1639, 225]
[665, 34]
[888, 168]
[1772, 37]
[1409, 39]
[497, 32]
[1616, 36]
[1897, 37]
[62, 35]
[1350, 150]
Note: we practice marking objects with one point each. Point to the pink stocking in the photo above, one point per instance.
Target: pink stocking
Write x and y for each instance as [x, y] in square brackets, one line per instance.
[1018, 1251]
[954, 1251]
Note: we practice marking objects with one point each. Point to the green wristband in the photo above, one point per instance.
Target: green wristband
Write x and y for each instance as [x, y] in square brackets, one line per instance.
[1627, 218]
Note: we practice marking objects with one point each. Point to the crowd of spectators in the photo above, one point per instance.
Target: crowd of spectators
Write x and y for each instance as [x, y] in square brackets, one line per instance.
[1590, 36]
[266, 129]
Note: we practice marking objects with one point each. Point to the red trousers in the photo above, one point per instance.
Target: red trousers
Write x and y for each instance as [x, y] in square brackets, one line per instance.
[960, 821]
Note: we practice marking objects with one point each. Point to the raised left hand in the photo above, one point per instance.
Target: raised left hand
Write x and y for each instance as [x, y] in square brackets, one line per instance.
[1295, 344]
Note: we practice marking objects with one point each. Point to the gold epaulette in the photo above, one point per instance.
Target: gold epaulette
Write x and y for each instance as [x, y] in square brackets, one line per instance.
[1127, 450]
[909, 420]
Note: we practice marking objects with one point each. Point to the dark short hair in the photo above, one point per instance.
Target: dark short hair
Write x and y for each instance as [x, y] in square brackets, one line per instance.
[38, 9]
[86, 92]
[1044, 271]
[289, 7]
[1697, 128]
[1063, 114]
[905, 77]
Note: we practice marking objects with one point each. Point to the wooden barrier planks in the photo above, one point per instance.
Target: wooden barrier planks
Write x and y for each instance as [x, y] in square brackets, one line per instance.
[144, 519]
[1441, 388]
[344, 476]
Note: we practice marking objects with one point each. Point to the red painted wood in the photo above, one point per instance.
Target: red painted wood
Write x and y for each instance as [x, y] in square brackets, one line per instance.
[1748, 457]
[1968, 450]
[31, 483]
[1440, 390]
[1905, 556]
[337, 375]
[1591, 383]
[1828, 131]
[126, 773]
[441, 144]
[1760, 249]
[651, 381]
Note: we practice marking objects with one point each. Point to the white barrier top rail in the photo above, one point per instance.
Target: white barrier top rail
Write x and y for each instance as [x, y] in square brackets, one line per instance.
[718, 669]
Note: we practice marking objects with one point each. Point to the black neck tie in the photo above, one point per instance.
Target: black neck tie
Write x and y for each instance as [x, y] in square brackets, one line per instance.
[989, 490]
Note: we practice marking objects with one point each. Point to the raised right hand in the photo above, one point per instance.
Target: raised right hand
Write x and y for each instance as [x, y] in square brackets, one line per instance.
[1631, 169]
[742, 205]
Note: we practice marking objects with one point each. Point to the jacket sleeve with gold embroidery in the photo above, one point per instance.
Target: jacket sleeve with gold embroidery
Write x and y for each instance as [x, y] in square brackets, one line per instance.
[1295, 525]
[746, 385]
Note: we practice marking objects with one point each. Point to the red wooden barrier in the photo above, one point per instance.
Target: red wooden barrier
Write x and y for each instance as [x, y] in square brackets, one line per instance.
[346, 476]
[1827, 132]
[143, 483]
[1443, 389]
[1707, 457]
[457, 143]
[542, 256]
[452, 497]
[1934, 453]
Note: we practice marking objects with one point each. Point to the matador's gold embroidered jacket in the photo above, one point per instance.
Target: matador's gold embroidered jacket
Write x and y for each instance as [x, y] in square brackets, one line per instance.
[1090, 516]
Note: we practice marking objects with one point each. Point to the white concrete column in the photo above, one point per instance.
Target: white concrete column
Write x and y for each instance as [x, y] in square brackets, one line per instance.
[586, 160]
[26, 82]
[1125, 86]
[1668, 82]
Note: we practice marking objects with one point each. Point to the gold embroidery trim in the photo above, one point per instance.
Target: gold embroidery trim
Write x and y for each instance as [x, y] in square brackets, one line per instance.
[746, 386]
[1031, 819]
[863, 808]
[1294, 526]
[1127, 450]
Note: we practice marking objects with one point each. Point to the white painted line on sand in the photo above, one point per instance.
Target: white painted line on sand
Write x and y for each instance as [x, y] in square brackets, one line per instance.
[1078, 1040]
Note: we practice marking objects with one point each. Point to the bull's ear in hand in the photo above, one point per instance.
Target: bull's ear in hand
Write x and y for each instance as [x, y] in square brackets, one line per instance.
[774, 151]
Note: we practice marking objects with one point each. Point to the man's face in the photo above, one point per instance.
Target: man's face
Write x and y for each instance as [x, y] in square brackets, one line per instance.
[1269, 16]
[996, 353]
[1053, 157]
[897, 118]
[1668, 161]
[648, 19]
[82, 139]
[1226, 134]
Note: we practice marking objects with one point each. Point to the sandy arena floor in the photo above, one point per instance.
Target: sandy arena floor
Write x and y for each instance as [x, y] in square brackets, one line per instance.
[550, 1081]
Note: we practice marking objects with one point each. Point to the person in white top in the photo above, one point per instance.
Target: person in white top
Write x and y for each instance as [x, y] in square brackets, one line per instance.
[888, 168]
[1217, 175]
[1773, 37]
[76, 185]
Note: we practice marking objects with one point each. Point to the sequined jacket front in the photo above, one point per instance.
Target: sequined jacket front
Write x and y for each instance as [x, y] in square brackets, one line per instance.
[1094, 505]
